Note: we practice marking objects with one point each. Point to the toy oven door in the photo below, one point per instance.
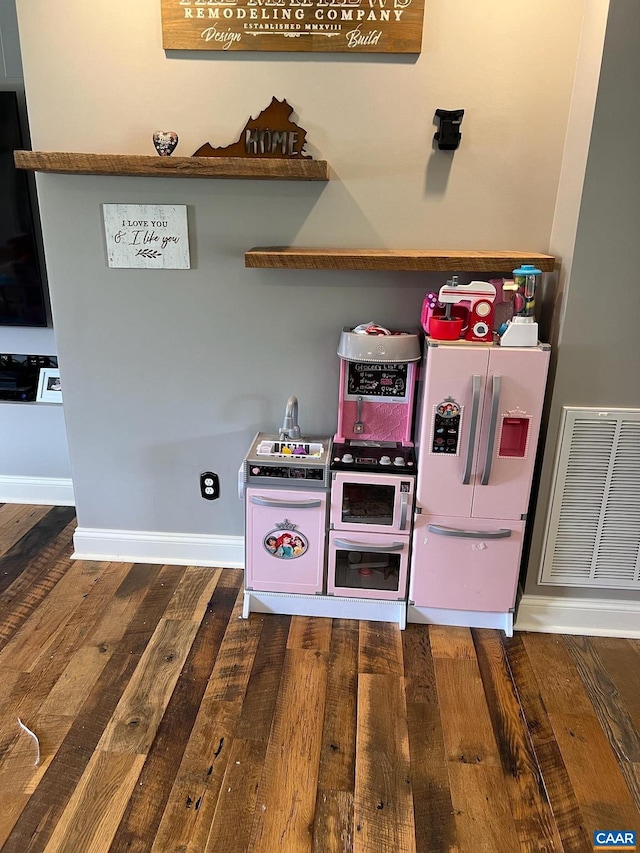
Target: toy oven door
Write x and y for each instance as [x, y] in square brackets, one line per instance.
[367, 565]
[377, 503]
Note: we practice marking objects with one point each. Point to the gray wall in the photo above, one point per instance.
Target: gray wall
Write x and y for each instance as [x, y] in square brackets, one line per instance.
[598, 352]
[10, 61]
[166, 373]
[170, 373]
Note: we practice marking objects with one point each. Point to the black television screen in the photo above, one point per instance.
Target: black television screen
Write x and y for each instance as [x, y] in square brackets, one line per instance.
[22, 292]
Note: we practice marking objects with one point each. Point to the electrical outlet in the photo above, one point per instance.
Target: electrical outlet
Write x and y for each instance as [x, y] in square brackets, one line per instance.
[209, 486]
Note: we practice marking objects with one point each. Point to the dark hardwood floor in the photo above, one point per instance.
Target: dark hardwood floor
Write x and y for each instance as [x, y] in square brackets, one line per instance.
[166, 722]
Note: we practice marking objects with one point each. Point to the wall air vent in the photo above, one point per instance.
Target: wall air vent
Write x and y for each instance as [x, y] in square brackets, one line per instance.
[592, 537]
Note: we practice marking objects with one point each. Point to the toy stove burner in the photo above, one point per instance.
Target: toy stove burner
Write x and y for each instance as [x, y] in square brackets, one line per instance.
[379, 456]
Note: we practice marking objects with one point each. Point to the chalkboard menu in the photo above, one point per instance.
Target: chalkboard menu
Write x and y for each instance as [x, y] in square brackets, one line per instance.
[387, 380]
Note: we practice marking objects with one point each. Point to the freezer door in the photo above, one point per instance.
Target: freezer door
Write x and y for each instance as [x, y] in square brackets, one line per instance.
[465, 564]
[512, 406]
[453, 395]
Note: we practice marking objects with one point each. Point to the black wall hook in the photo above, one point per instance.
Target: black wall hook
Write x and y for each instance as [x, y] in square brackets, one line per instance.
[449, 136]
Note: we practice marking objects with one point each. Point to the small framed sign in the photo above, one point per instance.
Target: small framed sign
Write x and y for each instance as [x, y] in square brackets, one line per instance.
[147, 236]
[49, 387]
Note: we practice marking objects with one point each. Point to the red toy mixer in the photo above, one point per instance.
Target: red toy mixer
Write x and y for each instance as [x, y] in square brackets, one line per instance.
[460, 311]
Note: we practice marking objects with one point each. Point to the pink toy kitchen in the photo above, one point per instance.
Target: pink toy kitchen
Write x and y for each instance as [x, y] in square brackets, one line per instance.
[415, 509]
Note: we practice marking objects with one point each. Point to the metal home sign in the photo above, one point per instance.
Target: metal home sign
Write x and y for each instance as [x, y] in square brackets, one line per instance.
[356, 26]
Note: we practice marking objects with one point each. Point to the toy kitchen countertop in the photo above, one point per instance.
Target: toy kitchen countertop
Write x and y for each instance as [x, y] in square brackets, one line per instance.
[380, 457]
[288, 463]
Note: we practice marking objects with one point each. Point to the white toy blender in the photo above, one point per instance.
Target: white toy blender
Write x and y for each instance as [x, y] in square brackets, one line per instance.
[522, 329]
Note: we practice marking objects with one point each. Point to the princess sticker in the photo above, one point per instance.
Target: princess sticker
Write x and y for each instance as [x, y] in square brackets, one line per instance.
[449, 408]
[286, 543]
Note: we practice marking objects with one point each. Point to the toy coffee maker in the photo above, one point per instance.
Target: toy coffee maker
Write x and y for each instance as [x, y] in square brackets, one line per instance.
[460, 311]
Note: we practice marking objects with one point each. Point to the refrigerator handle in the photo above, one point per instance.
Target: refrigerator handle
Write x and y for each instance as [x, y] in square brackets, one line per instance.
[442, 530]
[493, 423]
[473, 425]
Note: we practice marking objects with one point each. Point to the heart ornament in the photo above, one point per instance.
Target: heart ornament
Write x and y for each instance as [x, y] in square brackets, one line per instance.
[165, 142]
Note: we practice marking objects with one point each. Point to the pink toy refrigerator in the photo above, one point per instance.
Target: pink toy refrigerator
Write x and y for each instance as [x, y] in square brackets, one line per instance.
[478, 424]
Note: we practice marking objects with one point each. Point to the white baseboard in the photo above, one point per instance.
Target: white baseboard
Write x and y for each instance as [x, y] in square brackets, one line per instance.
[595, 617]
[48, 491]
[175, 549]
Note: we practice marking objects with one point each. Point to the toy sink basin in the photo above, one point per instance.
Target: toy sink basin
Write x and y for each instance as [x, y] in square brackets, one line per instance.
[300, 449]
[309, 451]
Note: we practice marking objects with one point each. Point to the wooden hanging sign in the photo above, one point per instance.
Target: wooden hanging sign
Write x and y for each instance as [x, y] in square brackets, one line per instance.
[333, 26]
[272, 134]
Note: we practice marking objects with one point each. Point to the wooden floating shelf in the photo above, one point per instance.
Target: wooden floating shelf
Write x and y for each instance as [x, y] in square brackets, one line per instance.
[411, 260]
[258, 168]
